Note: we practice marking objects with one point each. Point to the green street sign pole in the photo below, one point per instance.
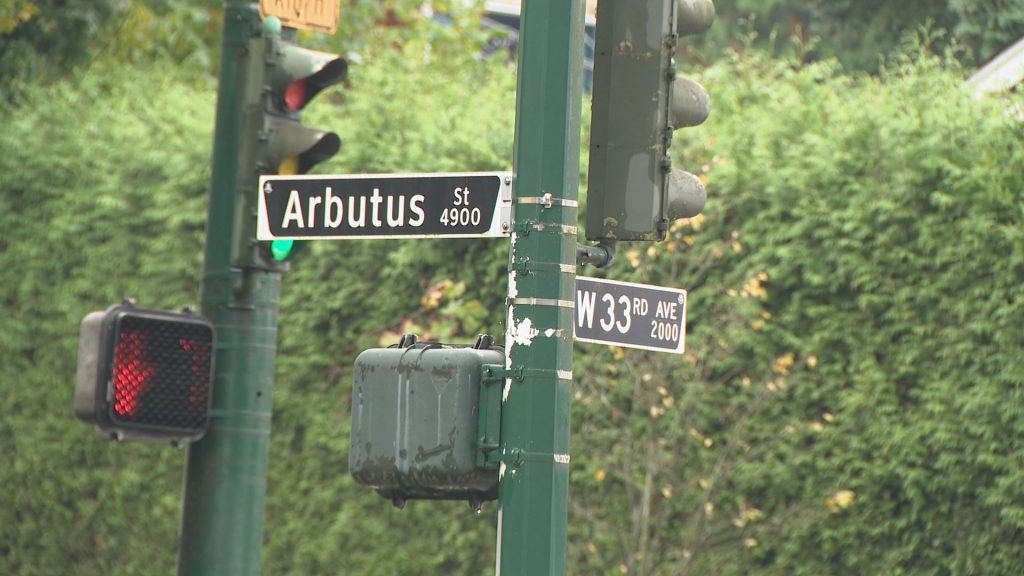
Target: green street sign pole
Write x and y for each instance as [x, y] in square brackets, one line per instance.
[534, 470]
[225, 475]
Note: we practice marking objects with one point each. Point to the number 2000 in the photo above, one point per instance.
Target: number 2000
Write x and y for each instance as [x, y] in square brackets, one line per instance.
[664, 331]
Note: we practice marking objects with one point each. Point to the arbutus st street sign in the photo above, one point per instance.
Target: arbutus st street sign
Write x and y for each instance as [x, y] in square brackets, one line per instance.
[630, 315]
[334, 207]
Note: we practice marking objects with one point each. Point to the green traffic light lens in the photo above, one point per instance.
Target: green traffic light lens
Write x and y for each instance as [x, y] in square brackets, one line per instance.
[281, 249]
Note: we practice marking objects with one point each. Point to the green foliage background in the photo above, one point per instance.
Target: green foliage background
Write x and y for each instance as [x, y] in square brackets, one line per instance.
[859, 33]
[851, 399]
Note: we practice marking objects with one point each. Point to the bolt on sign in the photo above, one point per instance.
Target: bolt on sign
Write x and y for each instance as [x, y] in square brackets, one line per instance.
[317, 15]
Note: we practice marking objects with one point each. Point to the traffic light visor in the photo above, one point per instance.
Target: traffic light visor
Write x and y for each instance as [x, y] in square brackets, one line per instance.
[295, 149]
[302, 73]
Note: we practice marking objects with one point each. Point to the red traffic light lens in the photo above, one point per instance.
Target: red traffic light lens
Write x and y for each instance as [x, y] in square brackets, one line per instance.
[295, 95]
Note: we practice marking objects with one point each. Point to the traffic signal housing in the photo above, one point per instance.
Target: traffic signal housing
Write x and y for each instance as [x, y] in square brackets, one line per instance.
[281, 78]
[633, 192]
[145, 374]
[426, 419]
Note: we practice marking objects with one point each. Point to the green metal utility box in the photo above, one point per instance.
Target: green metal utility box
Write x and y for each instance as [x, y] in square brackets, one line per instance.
[423, 414]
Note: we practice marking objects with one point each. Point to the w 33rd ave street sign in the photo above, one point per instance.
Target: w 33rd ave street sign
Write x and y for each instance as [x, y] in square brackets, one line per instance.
[333, 207]
[630, 315]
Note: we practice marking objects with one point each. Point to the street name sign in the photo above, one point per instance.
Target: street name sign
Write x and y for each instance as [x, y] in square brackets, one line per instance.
[630, 315]
[350, 206]
[318, 15]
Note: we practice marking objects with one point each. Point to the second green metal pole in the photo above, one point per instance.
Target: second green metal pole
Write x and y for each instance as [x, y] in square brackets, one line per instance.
[534, 473]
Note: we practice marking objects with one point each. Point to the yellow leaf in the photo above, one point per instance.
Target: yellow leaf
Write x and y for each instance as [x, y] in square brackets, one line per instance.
[600, 475]
[431, 299]
[840, 501]
[709, 509]
[752, 514]
[783, 363]
[754, 287]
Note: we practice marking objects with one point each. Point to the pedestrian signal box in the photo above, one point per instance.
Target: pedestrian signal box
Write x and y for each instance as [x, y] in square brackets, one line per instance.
[425, 421]
[145, 374]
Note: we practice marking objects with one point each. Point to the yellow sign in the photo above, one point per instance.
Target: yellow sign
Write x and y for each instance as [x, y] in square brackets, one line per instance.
[319, 15]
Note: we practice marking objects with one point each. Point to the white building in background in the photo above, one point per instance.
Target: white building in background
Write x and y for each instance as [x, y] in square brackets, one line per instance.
[514, 6]
[504, 15]
[1002, 72]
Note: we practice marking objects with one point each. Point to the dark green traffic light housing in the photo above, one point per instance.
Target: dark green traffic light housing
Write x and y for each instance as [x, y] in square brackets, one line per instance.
[281, 78]
[633, 191]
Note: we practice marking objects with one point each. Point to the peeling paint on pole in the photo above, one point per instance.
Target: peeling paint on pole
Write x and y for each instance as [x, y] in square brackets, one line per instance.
[523, 332]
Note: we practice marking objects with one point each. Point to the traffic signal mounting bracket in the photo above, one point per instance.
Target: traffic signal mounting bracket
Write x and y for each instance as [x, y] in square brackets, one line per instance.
[492, 382]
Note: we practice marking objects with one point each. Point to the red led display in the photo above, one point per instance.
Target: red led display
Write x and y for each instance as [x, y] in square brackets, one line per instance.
[161, 371]
[131, 372]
